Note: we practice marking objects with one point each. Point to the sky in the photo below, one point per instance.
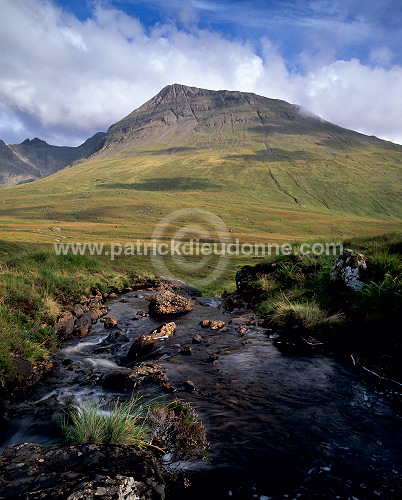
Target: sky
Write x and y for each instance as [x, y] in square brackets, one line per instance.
[70, 68]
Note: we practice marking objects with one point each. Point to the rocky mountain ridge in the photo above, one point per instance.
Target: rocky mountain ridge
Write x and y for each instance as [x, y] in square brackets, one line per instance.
[33, 159]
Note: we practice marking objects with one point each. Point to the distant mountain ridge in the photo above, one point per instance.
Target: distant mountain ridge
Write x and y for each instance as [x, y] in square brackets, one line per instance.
[33, 159]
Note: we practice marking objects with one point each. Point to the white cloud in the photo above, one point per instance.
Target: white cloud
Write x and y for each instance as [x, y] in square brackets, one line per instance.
[67, 78]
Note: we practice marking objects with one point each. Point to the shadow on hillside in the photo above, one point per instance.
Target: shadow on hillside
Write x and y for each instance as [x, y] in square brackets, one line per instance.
[166, 184]
[167, 151]
[275, 154]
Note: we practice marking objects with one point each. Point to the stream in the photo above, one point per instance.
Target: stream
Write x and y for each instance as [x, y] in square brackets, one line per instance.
[280, 425]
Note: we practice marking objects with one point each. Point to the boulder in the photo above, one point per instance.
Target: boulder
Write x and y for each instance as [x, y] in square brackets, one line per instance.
[81, 331]
[145, 344]
[166, 303]
[122, 379]
[212, 324]
[125, 379]
[216, 325]
[79, 309]
[75, 472]
[350, 267]
[65, 325]
[110, 322]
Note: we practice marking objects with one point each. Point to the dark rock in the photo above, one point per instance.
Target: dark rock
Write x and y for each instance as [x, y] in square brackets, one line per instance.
[85, 320]
[81, 331]
[205, 323]
[78, 471]
[197, 339]
[120, 380]
[242, 330]
[95, 302]
[186, 351]
[110, 322]
[79, 309]
[129, 379]
[188, 384]
[65, 325]
[117, 335]
[182, 288]
[145, 344]
[212, 356]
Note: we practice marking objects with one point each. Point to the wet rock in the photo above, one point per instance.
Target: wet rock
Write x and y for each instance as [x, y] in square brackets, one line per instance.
[79, 309]
[142, 314]
[145, 344]
[214, 325]
[212, 356]
[182, 288]
[117, 335]
[350, 267]
[234, 301]
[110, 322]
[120, 380]
[79, 471]
[112, 295]
[125, 379]
[95, 301]
[197, 339]
[166, 303]
[186, 351]
[86, 320]
[189, 385]
[119, 488]
[81, 331]
[153, 373]
[65, 325]
[242, 330]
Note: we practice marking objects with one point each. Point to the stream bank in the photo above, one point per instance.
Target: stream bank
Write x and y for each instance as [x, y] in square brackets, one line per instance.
[280, 425]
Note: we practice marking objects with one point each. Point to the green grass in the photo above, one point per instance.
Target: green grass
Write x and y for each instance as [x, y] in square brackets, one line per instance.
[168, 428]
[122, 423]
[35, 285]
[305, 317]
[305, 190]
[302, 299]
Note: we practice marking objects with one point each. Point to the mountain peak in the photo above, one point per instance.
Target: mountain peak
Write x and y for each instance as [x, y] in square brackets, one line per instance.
[34, 142]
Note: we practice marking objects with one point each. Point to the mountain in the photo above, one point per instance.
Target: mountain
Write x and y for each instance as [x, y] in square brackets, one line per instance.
[32, 159]
[268, 168]
[276, 150]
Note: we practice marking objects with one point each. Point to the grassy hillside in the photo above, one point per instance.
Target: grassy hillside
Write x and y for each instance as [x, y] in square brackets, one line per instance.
[271, 172]
[135, 189]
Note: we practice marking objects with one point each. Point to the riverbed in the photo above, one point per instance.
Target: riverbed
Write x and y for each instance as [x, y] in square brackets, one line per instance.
[280, 425]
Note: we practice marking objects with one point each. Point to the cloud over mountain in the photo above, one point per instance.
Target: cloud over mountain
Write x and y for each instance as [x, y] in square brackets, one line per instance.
[63, 78]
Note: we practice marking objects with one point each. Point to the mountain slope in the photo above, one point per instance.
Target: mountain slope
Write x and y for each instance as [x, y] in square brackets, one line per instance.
[35, 158]
[276, 151]
[270, 169]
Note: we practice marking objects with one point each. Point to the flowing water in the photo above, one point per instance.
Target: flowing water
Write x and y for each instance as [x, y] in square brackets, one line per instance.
[280, 425]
